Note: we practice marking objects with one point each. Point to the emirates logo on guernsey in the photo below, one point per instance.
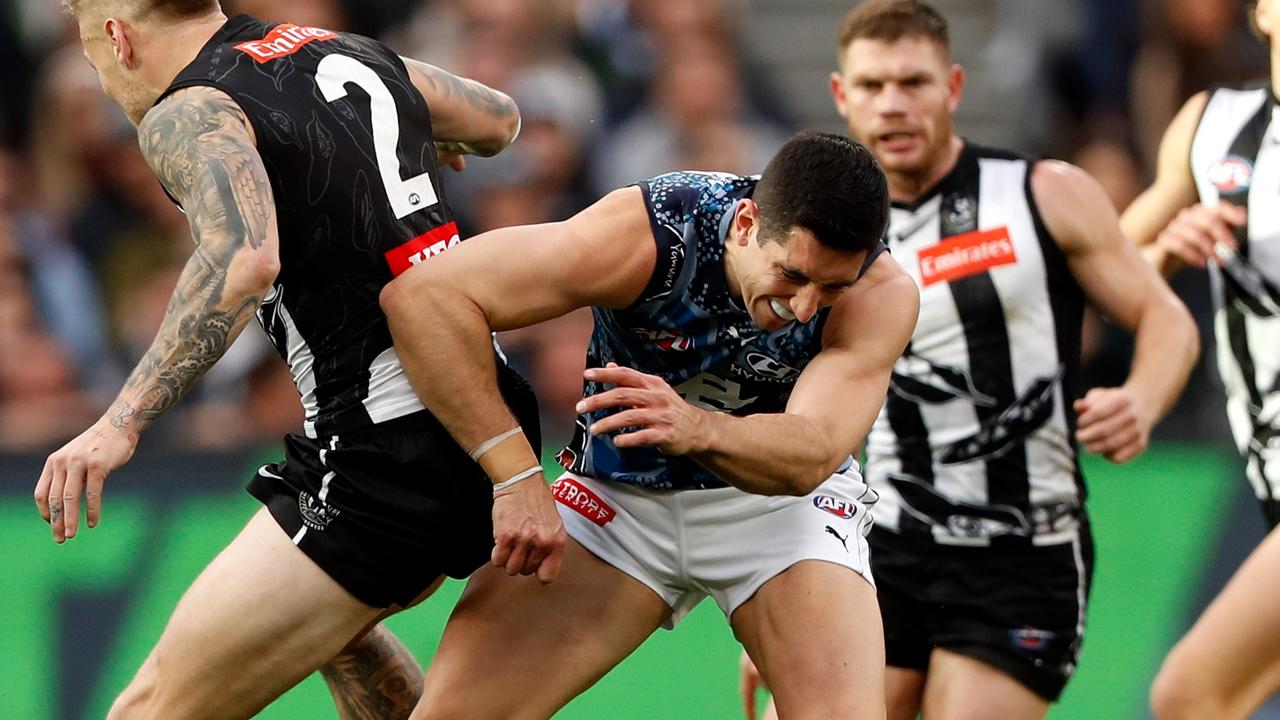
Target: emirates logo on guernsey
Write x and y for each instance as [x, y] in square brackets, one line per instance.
[283, 40]
[964, 255]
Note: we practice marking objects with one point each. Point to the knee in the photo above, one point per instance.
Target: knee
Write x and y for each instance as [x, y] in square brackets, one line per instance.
[1180, 692]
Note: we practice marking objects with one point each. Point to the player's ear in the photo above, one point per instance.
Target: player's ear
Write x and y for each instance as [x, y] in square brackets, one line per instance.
[837, 93]
[746, 217]
[121, 45]
[955, 86]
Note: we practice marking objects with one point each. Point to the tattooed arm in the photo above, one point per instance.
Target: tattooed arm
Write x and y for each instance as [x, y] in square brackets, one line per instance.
[467, 117]
[374, 678]
[201, 148]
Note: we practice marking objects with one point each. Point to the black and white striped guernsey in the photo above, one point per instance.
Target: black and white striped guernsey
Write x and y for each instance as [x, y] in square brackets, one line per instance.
[346, 141]
[1235, 158]
[974, 445]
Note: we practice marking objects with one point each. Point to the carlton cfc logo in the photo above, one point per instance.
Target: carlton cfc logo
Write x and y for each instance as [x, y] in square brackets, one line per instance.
[1231, 174]
[839, 507]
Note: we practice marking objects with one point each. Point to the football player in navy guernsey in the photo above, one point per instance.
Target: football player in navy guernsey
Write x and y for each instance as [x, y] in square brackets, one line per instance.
[1213, 205]
[981, 550]
[745, 329]
[304, 162]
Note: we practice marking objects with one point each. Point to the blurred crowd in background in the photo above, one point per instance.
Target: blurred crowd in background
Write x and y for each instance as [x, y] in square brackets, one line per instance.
[611, 91]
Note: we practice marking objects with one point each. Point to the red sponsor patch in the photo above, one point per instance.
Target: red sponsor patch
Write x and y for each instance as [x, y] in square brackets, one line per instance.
[283, 40]
[965, 255]
[573, 495]
[424, 247]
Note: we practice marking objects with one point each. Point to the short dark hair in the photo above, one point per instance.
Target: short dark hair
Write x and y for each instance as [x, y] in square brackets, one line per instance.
[827, 184]
[891, 20]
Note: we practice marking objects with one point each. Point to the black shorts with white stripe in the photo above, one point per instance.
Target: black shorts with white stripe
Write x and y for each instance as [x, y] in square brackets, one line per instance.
[387, 509]
[1019, 609]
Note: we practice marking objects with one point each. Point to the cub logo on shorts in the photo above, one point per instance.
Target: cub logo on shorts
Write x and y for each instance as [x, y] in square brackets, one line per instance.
[316, 514]
[839, 507]
[1033, 639]
[964, 255]
[573, 495]
[1232, 174]
[424, 247]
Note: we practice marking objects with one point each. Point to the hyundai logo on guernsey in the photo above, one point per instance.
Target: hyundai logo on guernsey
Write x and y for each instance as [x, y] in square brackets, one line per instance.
[964, 255]
[573, 495]
[839, 507]
[425, 246]
[1232, 174]
[283, 40]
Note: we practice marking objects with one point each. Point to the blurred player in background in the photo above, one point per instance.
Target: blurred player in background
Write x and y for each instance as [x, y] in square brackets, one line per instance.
[1214, 205]
[304, 162]
[982, 551]
[745, 329]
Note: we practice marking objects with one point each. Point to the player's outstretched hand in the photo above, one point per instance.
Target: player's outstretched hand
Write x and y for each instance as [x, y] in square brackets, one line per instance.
[652, 412]
[749, 682]
[1112, 423]
[79, 470]
[1192, 235]
[528, 534]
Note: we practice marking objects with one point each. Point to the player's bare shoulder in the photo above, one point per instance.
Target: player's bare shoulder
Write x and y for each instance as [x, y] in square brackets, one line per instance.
[884, 300]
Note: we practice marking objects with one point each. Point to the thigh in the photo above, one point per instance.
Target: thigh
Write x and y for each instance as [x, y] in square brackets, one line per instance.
[516, 648]
[258, 619]
[903, 693]
[964, 688]
[814, 632]
[1232, 653]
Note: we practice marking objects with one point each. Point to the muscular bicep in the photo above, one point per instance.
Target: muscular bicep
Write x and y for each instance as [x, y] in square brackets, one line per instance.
[1106, 264]
[466, 113]
[518, 276]
[201, 148]
[844, 387]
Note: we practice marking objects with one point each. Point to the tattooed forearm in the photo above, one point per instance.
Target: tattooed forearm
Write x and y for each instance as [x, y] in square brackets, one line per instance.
[374, 679]
[199, 146]
[478, 97]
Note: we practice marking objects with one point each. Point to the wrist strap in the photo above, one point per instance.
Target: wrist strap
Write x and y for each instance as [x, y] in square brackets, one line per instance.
[491, 443]
[522, 475]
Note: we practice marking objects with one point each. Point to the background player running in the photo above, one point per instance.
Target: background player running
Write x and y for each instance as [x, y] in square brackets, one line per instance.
[304, 161]
[1213, 205]
[982, 551]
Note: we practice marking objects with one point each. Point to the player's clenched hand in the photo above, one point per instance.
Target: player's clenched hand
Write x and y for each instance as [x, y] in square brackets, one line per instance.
[749, 681]
[1113, 423]
[79, 470]
[651, 411]
[527, 532]
[1193, 233]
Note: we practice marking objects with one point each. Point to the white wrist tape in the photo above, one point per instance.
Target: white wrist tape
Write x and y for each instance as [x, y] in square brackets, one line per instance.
[522, 475]
[491, 443]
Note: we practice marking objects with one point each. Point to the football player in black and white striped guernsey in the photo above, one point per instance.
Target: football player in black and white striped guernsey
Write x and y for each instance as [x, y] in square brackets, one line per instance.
[1214, 205]
[981, 548]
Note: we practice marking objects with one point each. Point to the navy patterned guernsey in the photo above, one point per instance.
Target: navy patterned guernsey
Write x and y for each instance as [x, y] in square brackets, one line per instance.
[688, 330]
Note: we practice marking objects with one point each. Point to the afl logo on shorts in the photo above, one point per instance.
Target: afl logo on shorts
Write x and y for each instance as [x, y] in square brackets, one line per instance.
[1231, 174]
[839, 507]
[315, 514]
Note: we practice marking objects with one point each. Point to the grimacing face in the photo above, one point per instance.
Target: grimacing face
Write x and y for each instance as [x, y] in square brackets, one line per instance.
[792, 277]
[897, 99]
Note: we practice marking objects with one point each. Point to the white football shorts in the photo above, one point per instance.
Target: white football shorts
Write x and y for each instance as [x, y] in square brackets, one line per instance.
[722, 542]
